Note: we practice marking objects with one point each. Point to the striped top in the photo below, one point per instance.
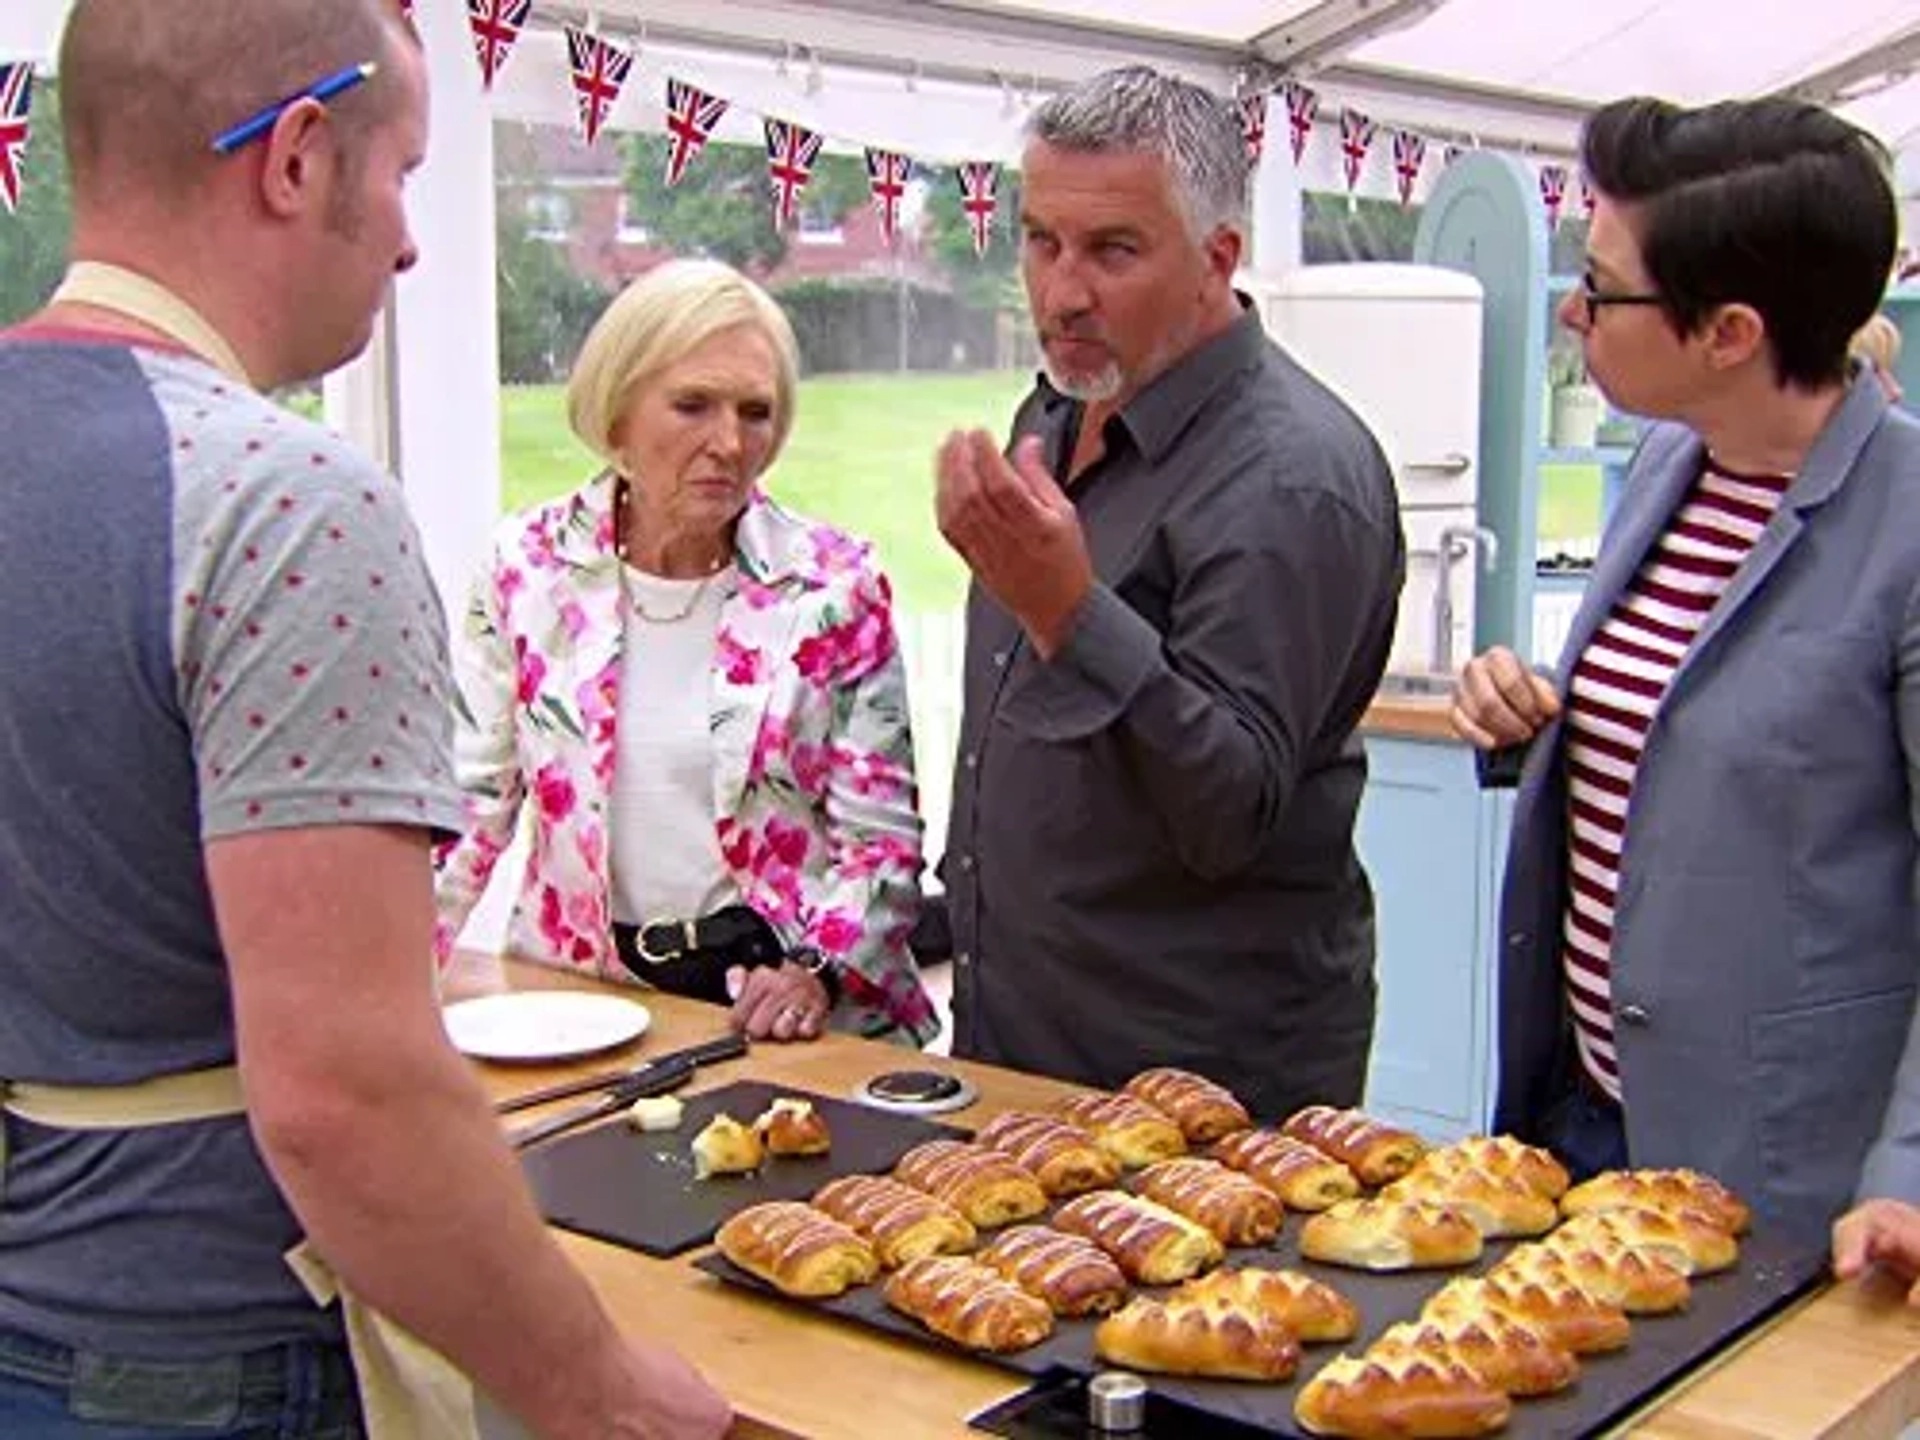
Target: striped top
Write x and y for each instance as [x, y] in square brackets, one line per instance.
[1616, 688]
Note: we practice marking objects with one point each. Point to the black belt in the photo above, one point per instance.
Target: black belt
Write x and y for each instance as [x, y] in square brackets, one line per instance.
[692, 957]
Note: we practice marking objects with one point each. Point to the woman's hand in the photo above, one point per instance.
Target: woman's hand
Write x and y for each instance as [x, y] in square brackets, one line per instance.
[788, 1002]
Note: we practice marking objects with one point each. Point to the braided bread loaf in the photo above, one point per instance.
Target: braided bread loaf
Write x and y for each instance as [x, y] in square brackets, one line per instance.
[968, 1303]
[1065, 1159]
[900, 1222]
[1203, 1110]
[1234, 1208]
[1303, 1177]
[797, 1249]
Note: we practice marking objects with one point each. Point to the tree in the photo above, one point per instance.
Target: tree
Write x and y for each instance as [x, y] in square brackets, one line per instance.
[989, 281]
[544, 309]
[33, 240]
[1340, 227]
[723, 205]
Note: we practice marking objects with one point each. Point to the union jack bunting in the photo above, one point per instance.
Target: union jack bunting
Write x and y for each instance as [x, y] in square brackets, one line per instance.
[791, 151]
[1356, 138]
[1302, 106]
[599, 70]
[1450, 153]
[1586, 194]
[887, 172]
[691, 116]
[16, 106]
[979, 198]
[496, 26]
[1553, 191]
[1253, 123]
[1409, 154]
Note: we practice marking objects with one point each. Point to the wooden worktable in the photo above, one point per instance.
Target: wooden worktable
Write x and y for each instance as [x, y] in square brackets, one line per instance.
[1844, 1364]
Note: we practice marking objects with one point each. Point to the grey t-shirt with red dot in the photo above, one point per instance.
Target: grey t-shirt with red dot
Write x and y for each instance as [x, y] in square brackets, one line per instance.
[214, 619]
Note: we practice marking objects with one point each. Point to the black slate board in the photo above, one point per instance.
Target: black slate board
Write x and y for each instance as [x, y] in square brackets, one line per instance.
[636, 1188]
[1769, 1275]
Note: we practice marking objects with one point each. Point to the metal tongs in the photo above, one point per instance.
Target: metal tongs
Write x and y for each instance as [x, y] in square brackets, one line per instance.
[652, 1077]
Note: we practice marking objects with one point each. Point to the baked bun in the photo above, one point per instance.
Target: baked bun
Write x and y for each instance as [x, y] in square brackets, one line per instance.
[1065, 1159]
[796, 1249]
[1304, 1177]
[1569, 1317]
[1071, 1273]
[1234, 1208]
[1311, 1309]
[1376, 1152]
[969, 1303]
[1502, 1155]
[1178, 1339]
[1498, 1205]
[1688, 1239]
[1612, 1273]
[1153, 1245]
[1502, 1352]
[726, 1147]
[1666, 1190]
[1390, 1235]
[900, 1222]
[791, 1126]
[982, 1184]
[1130, 1130]
[1399, 1397]
[1203, 1110]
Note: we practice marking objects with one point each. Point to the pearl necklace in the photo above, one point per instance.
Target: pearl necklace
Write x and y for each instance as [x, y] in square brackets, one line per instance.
[621, 489]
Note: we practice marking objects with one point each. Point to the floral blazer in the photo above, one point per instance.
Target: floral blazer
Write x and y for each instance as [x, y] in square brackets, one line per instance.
[813, 785]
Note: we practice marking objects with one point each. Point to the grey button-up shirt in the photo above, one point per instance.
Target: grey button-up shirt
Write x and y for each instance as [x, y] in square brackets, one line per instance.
[1151, 855]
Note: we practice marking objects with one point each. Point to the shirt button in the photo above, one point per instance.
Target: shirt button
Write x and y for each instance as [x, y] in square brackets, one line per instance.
[962, 960]
[966, 864]
[972, 761]
[999, 659]
[1635, 1015]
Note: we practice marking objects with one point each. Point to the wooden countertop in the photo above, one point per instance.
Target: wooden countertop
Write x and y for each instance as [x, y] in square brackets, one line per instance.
[1410, 717]
[1844, 1364]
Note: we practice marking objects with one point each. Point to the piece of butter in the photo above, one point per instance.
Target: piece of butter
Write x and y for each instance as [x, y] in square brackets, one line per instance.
[655, 1112]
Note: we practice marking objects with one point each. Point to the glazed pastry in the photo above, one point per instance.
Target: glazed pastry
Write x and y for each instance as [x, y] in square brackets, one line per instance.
[1312, 1310]
[1569, 1317]
[726, 1147]
[969, 1303]
[1071, 1273]
[1065, 1159]
[1303, 1177]
[1505, 1156]
[1497, 1205]
[1130, 1130]
[1503, 1353]
[1399, 1397]
[1153, 1245]
[900, 1222]
[793, 1127]
[1374, 1151]
[797, 1249]
[982, 1184]
[1179, 1339]
[1237, 1210]
[1203, 1110]
[1640, 1283]
[1666, 1190]
[1687, 1239]
[1390, 1235]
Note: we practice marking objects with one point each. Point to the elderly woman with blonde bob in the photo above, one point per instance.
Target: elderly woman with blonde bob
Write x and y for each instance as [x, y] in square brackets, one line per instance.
[697, 695]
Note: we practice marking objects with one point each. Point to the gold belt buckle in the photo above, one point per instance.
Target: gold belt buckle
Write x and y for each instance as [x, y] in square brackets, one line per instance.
[686, 940]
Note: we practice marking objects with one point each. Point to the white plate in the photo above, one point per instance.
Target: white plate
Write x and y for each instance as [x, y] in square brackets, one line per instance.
[543, 1024]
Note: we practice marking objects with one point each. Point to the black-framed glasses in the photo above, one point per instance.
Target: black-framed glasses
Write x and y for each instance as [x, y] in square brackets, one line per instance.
[1596, 298]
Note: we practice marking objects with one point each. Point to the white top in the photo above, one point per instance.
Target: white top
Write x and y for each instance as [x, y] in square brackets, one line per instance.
[663, 851]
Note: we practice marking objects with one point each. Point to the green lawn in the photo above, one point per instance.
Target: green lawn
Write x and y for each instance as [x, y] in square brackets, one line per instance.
[1569, 504]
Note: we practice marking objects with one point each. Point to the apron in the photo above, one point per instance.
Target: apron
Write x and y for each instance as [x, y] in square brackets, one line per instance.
[408, 1391]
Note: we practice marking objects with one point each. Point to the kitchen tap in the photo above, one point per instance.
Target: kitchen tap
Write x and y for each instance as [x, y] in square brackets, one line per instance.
[1456, 542]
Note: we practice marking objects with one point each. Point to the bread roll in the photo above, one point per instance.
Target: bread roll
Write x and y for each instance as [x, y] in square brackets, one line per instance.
[969, 1304]
[1130, 1130]
[1065, 1159]
[1312, 1310]
[1399, 1397]
[1502, 1352]
[900, 1222]
[1669, 1191]
[726, 1147]
[1376, 1152]
[1498, 1205]
[1390, 1235]
[1502, 1155]
[1569, 1317]
[791, 1126]
[1612, 1273]
[1203, 1110]
[982, 1184]
[1686, 1239]
[1176, 1339]
[1071, 1273]
[1303, 1177]
[1153, 1245]
[1234, 1208]
[797, 1249]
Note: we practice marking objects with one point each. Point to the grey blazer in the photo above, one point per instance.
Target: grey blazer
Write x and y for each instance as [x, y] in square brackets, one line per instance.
[1767, 933]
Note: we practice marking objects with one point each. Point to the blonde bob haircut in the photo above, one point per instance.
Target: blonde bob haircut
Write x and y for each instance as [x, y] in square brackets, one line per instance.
[658, 321]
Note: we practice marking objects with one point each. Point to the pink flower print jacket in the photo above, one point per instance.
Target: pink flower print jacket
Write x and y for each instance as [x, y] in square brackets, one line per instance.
[813, 788]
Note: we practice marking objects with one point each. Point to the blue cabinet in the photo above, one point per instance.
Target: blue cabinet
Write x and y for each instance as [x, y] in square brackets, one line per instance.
[1433, 843]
